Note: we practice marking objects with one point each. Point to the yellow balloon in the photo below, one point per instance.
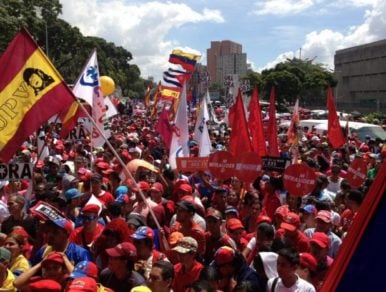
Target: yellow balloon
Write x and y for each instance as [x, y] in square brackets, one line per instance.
[107, 85]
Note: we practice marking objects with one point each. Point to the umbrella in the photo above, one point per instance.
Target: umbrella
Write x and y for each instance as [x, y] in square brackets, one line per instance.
[133, 165]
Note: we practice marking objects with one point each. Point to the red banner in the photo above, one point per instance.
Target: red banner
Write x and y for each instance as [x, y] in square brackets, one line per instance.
[248, 166]
[356, 172]
[221, 164]
[192, 164]
[299, 179]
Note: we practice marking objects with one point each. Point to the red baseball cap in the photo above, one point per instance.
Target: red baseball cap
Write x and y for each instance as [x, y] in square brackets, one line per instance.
[282, 211]
[224, 255]
[157, 187]
[234, 223]
[291, 222]
[45, 285]
[309, 261]
[53, 257]
[83, 284]
[124, 249]
[263, 218]
[321, 239]
[91, 208]
[324, 215]
[143, 185]
[185, 187]
[102, 165]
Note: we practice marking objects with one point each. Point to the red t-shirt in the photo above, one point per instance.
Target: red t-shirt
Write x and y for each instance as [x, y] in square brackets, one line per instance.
[85, 238]
[300, 241]
[183, 279]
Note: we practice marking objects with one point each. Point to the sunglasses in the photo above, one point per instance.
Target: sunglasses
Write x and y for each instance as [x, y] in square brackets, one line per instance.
[89, 218]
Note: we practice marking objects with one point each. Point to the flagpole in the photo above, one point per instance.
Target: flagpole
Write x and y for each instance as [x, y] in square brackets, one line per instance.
[127, 172]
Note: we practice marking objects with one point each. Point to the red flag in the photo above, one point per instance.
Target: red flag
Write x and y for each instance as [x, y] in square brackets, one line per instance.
[334, 131]
[157, 97]
[272, 127]
[71, 117]
[239, 141]
[146, 99]
[31, 92]
[163, 127]
[255, 124]
[292, 130]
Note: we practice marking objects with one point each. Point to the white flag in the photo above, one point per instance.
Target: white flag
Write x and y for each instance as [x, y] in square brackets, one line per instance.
[201, 134]
[179, 145]
[88, 88]
[111, 110]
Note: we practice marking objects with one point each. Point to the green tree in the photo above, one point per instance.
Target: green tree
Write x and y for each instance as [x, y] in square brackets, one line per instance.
[297, 77]
[67, 48]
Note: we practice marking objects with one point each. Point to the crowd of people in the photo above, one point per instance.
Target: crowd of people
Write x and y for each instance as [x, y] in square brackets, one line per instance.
[164, 230]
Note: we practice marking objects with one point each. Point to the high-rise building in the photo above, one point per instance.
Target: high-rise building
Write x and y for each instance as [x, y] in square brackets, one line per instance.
[361, 73]
[225, 58]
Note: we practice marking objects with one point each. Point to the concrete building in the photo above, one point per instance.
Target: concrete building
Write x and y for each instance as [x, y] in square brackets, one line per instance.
[361, 75]
[225, 58]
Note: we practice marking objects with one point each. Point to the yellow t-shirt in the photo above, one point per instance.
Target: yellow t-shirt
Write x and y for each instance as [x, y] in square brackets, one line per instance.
[19, 265]
[8, 283]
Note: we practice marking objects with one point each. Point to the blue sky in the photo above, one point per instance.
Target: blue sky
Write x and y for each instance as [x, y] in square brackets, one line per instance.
[269, 30]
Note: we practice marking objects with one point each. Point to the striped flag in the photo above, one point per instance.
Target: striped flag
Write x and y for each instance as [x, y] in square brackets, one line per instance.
[31, 92]
[186, 60]
[174, 77]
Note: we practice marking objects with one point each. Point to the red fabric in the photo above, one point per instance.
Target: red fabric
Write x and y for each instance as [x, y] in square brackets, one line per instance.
[106, 198]
[163, 127]
[239, 141]
[334, 131]
[183, 279]
[272, 127]
[77, 237]
[270, 203]
[255, 124]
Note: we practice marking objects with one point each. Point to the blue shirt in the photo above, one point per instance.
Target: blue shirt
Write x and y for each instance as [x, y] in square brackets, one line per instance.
[74, 253]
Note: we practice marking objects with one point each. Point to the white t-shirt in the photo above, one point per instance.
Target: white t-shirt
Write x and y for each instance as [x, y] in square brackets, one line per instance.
[299, 286]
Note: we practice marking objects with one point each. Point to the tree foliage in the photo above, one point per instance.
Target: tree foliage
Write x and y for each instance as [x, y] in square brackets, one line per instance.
[67, 48]
[293, 78]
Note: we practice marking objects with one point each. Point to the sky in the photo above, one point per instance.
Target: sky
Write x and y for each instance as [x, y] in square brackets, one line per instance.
[268, 30]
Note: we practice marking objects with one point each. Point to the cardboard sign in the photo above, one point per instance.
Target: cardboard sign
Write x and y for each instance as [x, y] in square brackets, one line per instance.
[299, 179]
[221, 164]
[79, 133]
[45, 211]
[357, 172]
[275, 163]
[14, 171]
[248, 166]
[192, 164]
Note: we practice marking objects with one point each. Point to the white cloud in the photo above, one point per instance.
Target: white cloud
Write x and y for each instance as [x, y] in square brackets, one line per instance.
[282, 7]
[141, 28]
[322, 45]
[281, 58]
